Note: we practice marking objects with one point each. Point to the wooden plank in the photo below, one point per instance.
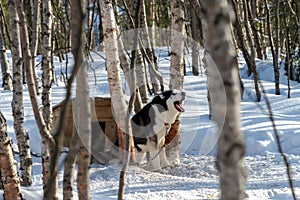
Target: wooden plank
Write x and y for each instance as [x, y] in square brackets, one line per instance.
[111, 131]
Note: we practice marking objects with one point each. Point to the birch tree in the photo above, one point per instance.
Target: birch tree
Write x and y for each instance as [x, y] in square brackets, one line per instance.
[5, 67]
[81, 137]
[231, 148]
[274, 50]
[147, 34]
[82, 101]
[17, 101]
[252, 16]
[112, 64]
[47, 80]
[139, 65]
[251, 47]
[36, 27]
[8, 170]
[196, 34]
[176, 74]
[69, 166]
[240, 36]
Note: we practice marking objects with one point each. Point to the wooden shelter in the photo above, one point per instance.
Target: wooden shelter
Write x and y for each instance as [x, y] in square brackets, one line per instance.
[104, 127]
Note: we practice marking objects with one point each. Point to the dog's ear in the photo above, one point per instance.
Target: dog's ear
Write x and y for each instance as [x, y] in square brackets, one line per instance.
[157, 98]
[160, 100]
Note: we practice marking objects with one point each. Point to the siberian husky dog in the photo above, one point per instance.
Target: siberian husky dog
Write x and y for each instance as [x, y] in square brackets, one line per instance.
[151, 124]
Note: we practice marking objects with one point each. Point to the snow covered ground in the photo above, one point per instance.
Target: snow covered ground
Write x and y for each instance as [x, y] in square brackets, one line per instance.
[196, 176]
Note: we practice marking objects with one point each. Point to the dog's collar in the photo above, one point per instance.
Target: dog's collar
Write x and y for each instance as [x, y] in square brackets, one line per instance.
[167, 125]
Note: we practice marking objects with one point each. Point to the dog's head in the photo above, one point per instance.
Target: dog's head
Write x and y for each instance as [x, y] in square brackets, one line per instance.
[170, 100]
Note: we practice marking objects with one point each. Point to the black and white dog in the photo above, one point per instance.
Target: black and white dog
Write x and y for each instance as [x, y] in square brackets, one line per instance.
[151, 124]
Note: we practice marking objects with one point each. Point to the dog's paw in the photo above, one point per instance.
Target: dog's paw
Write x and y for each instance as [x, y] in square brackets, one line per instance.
[167, 165]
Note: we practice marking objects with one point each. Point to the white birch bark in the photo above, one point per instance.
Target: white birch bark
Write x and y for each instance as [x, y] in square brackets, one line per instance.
[177, 45]
[47, 68]
[176, 73]
[155, 76]
[112, 63]
[17, 102]
[128, 72]
[226, 97]
[35, 5]
[47, 79]
[5, 68]
[140, 69]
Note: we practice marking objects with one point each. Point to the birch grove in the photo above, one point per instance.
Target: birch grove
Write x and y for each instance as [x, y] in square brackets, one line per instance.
[5, 67]
[47, 44]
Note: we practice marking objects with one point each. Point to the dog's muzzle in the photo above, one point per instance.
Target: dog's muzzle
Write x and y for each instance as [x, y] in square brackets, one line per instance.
[178, 104]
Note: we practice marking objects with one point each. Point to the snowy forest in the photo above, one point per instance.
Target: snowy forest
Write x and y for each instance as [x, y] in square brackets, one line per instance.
[74, 73]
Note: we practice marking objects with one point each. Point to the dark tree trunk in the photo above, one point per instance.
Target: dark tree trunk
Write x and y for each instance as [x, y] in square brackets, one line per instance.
[273, 48]
[253, 53]
[251, 8]
[241, 37]
[196, 34]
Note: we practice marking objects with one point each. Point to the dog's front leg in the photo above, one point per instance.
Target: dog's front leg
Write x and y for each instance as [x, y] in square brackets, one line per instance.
[139, 156]
[163, 158]
[154, 164]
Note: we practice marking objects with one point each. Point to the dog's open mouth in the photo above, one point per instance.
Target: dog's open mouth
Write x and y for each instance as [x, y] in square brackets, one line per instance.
[178, 106]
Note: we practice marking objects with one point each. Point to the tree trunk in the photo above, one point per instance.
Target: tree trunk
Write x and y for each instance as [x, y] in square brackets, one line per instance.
[83, 127]
[112, 64]
[205, 62]
[151, 19]
[176, 72]
[177, 45]
[140, 70]
[253, 52]
[129, 73]
[82, 105]
[273, 49]
[35, 39]
[47, 79]
[252, 14]
[17, 102]
[8, 170]
[69, 166]
[230, 146]
[196, 34]
[275, 60]
[149, 54]
[241, 37]
[5, 68]
[126, 159]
